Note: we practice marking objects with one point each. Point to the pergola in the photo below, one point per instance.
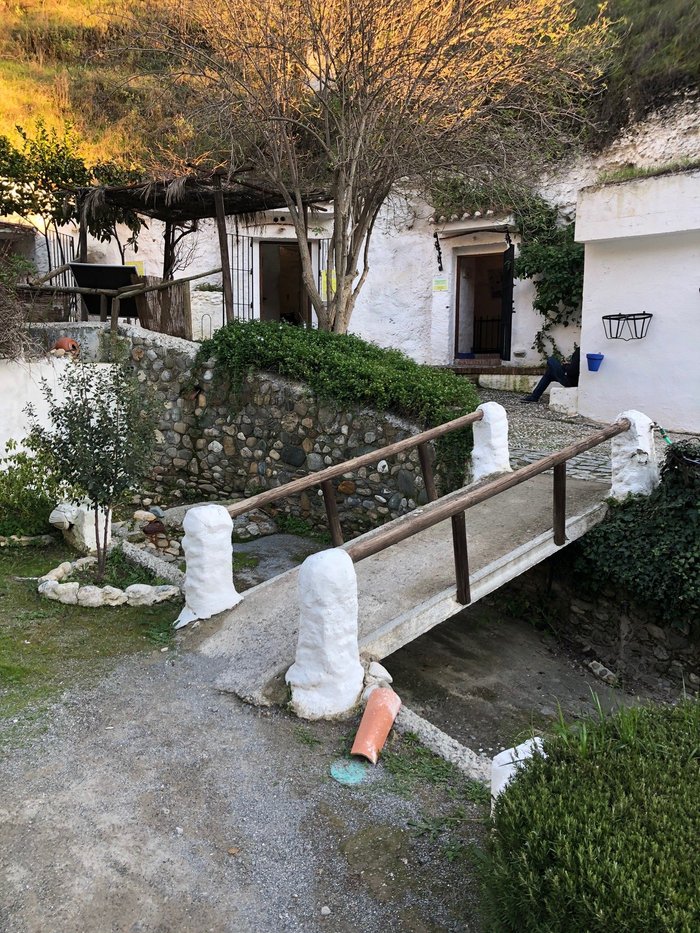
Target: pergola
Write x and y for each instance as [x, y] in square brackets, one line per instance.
[183, 199]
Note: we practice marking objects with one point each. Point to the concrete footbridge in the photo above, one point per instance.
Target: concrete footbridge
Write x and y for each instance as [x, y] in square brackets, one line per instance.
[422, 568]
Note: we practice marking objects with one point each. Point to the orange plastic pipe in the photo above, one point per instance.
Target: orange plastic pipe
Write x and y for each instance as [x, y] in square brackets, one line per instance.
[382, 709]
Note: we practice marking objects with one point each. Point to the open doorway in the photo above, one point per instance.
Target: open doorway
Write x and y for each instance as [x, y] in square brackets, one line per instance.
[282, 293]
[484, 305]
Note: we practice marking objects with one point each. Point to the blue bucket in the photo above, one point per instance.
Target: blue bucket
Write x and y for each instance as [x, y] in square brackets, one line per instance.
[594, 361]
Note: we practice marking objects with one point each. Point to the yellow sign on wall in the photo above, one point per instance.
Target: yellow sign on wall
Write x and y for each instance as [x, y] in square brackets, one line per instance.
[137, 264]
[324, 284]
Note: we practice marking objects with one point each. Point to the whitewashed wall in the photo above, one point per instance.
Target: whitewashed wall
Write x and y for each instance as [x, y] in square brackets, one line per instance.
[642, 242]
[398, 306]
[20, 385]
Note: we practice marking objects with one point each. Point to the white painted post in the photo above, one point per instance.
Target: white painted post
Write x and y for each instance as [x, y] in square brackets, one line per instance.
[326, 677]
[209, 572]
[505, 765]
[490, 454]
[634, 467]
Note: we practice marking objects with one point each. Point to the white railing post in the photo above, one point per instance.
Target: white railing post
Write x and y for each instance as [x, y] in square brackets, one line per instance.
[634, 467]
[490, 454]
[327, 676]
[209, 571]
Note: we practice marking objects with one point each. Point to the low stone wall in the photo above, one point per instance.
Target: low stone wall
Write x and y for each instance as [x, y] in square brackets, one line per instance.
[609, 627]
[217, 442]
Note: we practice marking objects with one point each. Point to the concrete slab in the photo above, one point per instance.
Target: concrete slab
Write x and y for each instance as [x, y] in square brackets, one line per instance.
[403, 591]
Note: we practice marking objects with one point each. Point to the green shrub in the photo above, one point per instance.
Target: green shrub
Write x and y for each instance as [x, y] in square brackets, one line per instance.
[650, 545]
[29, 491]
[601, 835]
[346, 370]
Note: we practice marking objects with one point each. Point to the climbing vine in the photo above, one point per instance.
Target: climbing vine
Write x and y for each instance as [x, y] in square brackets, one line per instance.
[550, 257]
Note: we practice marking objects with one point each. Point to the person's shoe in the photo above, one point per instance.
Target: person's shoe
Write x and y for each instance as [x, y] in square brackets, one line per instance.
[528, 398]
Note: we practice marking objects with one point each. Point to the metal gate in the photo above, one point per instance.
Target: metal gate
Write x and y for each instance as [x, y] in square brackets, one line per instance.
[61, 247]
[241, 253]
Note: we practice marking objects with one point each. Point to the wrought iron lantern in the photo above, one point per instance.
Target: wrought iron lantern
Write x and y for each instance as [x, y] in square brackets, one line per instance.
[626, 326]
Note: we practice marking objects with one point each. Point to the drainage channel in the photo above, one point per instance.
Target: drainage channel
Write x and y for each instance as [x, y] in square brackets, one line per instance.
[489, 681]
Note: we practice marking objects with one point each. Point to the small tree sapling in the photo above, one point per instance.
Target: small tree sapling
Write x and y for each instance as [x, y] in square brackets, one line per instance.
[100, 437]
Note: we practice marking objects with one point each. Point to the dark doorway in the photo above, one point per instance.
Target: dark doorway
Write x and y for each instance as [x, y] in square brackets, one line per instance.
[282, 293]
[484, 300]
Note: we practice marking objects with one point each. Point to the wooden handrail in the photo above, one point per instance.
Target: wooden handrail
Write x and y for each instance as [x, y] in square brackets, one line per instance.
[454, 503]
[349, 466]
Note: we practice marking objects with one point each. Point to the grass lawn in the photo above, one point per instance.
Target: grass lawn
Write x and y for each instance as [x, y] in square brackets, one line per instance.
[46, 647]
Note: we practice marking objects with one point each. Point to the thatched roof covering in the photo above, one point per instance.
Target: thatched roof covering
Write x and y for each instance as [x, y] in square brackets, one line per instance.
[189, 197]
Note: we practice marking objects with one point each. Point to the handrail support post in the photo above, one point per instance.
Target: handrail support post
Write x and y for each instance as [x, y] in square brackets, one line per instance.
[332, 512]
[559, 504]
[459, 544]
[427, 470]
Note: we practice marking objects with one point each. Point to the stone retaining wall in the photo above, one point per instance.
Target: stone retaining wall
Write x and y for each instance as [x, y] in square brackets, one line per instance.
[217, 443]
[610, 627]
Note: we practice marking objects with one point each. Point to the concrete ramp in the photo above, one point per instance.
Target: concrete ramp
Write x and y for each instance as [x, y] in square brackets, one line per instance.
[403, 591]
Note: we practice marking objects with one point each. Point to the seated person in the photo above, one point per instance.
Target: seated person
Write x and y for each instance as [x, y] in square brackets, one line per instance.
[564, 373]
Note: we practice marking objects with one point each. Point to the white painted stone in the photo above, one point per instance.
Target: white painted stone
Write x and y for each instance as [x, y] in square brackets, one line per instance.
[382, 467]
[113, 596]
[77, 522]
[377, 670]
[634, 466]
[209, 555]
[63, 515]
[504, 766]
[90, 596]
[563, 399]
[142, 594]
[327, 676]
[58, 573]
[165, 592]
[61, 592]
[490, 454]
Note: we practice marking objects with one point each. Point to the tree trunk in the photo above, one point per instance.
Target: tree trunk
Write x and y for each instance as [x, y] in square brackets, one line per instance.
[98, 545]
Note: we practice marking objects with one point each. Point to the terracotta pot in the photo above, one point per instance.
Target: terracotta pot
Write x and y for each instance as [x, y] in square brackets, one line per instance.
[68, 344]
[382, 709]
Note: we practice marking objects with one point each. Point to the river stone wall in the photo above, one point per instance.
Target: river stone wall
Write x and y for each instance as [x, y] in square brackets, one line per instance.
[216, 442]
[610, 627]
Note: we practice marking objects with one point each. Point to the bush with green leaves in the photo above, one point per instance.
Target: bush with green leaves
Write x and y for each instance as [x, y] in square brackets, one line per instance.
[100, 436]
[650, 545]
[601, 835]
[29, 490]
[346, 370]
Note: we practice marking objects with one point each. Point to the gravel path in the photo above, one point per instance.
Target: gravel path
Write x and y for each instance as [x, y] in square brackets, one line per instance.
[534, 430]
[156, 805]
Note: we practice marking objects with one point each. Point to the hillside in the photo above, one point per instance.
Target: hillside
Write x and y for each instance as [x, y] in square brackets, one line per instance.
[57, 62]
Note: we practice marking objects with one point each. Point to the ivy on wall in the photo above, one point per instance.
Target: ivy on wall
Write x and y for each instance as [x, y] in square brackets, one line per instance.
[550, 257]
[548, 254]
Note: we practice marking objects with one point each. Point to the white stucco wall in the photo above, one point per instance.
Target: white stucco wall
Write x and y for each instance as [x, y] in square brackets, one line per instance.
[635, 263]
[398, 305]
[20, 385]
[394, 308]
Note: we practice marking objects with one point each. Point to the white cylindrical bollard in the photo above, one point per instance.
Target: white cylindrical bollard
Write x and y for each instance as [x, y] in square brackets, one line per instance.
[634, 467]
[490, 454]
[209, 572]
[326, 677]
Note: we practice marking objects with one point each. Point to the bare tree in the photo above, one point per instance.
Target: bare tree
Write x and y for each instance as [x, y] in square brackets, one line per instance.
[357, 97]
